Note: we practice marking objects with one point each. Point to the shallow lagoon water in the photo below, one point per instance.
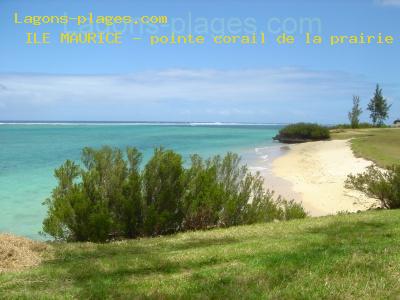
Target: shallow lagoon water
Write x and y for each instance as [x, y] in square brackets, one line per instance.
[29, 153]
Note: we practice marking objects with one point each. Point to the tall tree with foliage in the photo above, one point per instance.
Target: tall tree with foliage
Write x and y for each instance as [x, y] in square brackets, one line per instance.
[356, 111]
[378, 107]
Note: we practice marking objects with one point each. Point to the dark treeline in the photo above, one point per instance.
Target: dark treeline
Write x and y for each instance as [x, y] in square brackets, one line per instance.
[109, 196]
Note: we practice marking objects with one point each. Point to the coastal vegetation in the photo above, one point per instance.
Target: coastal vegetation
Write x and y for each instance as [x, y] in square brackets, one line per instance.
[348, 256]
[361, 125]
[380, 181]
[354, 114]
[302, 132]
[383, 185]
[109, 197]
[378, 107]
[307, 132]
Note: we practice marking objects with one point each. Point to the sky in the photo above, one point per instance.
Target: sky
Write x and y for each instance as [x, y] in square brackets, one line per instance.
[136, 81]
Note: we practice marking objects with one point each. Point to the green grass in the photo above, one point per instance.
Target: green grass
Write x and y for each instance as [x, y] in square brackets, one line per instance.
[339, 257]
[381, 145]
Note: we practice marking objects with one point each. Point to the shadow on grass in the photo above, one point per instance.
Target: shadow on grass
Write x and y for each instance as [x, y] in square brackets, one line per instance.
[134, 247]
[220, 267]
[282, 271]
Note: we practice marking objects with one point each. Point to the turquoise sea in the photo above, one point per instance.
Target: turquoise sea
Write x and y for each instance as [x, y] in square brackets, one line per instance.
[29, 153]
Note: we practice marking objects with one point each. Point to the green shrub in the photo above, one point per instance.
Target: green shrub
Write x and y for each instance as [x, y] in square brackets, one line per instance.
[292, 210]
[85, 204]
[130, 207]
[363, 125]
[236, 182]
[222, 192]
[203, 194]
[109, 196]
[163, 190]
[218, 192]
[264, 208]
[383, 185]
[302, 132]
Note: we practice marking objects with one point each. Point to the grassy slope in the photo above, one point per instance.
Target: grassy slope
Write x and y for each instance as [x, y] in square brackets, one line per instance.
[346, 256]
[379, 145]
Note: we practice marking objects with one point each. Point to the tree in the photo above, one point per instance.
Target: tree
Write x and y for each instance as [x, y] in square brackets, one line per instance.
[356, 111]
[378, 107]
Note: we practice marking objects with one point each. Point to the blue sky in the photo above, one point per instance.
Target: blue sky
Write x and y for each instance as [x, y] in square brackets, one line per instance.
[231, 83]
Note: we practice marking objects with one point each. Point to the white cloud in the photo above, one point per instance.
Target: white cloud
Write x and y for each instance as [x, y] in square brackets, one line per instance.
[184, 84]
[389, 2]
[177, 93]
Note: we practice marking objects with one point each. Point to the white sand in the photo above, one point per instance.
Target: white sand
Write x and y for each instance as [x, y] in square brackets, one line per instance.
[315, 172]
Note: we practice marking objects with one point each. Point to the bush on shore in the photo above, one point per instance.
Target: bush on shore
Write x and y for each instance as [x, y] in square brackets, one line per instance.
[363, 125]
[383, 185]
[110, 197]
[302, 132]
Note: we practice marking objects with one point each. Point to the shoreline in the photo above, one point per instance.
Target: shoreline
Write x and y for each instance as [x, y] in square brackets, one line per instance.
[314, 173]
[262, 162]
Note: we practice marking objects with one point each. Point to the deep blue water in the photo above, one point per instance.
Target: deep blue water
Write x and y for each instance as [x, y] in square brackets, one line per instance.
[29, 154]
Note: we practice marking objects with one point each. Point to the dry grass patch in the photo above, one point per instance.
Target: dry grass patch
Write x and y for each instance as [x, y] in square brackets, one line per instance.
[18, 252]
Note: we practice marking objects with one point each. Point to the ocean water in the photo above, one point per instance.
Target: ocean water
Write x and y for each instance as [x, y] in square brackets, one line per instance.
[29, 153]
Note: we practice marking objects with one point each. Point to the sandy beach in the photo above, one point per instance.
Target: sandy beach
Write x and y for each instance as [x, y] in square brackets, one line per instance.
[314, 173]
